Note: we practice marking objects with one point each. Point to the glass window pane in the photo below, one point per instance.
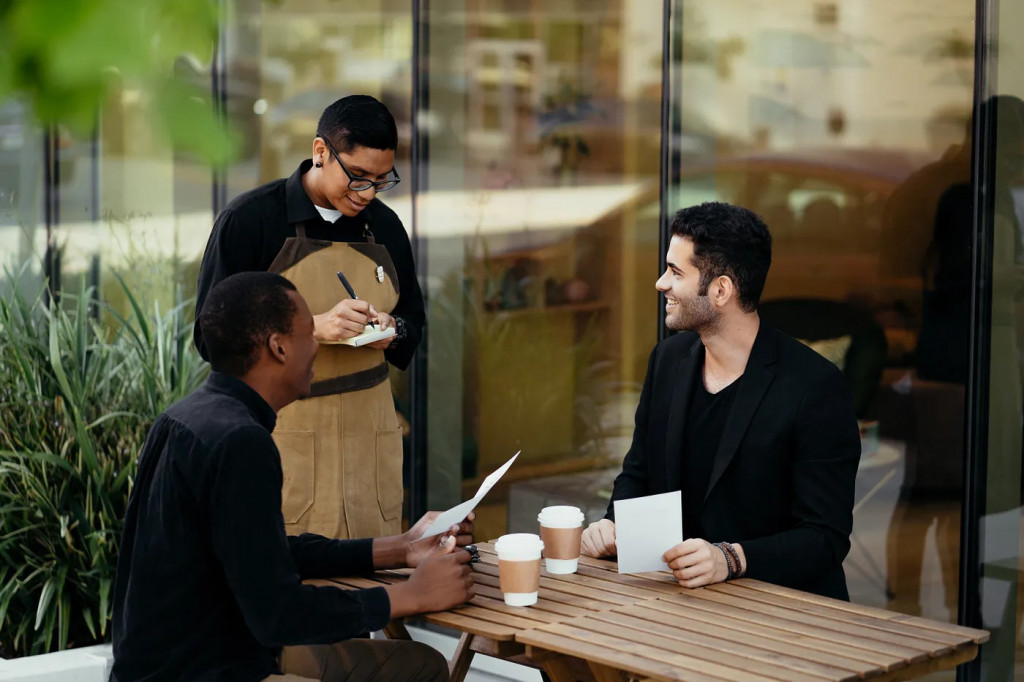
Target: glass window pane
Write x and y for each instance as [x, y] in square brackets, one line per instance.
[540, 228]
[23, 238]
[843, 126]
[1001, 526]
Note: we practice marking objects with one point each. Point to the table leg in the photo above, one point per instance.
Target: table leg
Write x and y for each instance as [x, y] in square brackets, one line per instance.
[459, 665]
[603, 673]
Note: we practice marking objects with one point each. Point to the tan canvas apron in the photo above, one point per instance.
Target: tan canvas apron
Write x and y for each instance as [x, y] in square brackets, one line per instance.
[341, 448]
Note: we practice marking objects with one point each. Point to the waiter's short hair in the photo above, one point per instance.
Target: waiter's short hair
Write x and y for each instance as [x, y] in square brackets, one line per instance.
[358, 121]
[240, 313]
[727, 240]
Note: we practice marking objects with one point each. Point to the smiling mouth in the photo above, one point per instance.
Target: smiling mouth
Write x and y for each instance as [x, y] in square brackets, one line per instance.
[356, 203]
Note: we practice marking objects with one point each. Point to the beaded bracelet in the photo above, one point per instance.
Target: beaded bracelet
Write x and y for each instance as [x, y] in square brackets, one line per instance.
[728, 560]
[736, 558]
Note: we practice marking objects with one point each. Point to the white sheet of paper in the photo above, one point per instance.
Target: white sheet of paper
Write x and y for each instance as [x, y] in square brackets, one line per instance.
[646, 528]
[455, 515]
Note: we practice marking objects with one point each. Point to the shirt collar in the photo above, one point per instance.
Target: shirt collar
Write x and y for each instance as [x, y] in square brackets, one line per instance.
[299, 206]
[261, 411]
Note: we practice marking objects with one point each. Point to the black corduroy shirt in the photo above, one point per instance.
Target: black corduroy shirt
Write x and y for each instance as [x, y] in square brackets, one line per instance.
[252, 228]
[208, 585]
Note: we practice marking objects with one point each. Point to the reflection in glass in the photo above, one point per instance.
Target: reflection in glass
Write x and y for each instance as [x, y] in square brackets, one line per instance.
[843, 127]
[543, 147]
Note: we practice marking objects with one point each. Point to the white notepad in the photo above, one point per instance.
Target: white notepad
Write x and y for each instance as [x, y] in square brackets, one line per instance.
[371, 334]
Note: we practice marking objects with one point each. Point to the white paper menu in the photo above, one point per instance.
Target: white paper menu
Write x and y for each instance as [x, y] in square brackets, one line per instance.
[455, 515]
[646, 528]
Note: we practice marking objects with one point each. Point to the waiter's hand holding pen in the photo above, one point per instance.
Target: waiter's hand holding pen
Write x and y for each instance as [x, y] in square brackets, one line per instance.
[382, 320]
[346, 319]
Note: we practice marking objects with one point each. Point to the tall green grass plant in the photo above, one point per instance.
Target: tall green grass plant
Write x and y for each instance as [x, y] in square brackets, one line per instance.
[77, 396]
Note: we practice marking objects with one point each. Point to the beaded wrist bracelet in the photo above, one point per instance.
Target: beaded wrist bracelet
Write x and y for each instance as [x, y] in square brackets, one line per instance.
[736, 559]
[728, 560]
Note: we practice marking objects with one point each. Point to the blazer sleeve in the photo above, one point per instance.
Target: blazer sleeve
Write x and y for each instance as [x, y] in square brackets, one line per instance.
[822, 477]
[633, 480]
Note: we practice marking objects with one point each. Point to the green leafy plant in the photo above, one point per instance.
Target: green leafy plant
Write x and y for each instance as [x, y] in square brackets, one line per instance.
[76, 399]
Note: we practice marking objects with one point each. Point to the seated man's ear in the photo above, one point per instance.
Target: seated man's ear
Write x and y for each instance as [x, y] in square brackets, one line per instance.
[276, 346]
[725, 291]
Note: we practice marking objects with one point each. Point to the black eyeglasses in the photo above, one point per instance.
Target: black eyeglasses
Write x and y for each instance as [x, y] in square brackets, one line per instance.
[357, 183]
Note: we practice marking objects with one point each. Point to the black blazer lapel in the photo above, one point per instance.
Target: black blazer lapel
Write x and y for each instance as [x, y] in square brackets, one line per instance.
[756, 379]
[682, 375]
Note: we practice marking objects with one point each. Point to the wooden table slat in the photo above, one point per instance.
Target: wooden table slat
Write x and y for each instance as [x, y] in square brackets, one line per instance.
[533, 614]
[874, 650]
[548, 583]
[651, 661]
[975, 635]
[827, 611]
[748, 623]
[873, 636]
[825, 653]
[650, 633]
[474, 626]
[558, 611]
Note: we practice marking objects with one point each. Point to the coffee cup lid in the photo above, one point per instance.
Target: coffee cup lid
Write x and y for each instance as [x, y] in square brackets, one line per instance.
[519, 542]
[561, 514]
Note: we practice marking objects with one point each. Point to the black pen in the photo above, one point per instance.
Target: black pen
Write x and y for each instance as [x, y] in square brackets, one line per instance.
[348, 287]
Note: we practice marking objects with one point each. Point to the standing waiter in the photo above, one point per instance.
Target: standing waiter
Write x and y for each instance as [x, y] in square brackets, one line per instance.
[341, 449]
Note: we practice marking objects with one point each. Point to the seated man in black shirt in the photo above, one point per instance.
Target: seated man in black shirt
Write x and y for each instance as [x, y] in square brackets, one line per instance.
[756, 429]
[208, 585]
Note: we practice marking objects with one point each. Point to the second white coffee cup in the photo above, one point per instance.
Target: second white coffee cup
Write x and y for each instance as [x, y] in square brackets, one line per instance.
[561, 528]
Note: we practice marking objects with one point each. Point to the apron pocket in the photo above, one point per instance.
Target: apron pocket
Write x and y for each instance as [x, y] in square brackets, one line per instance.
[389, 473]
[297, 464]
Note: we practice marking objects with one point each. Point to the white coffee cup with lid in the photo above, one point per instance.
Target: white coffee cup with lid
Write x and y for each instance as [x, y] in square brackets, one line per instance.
[561, 529]
[519, 567]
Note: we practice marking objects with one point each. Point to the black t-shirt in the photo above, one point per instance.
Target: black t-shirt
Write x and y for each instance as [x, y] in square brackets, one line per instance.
[705, 423]
[250, 231]
[208, 585]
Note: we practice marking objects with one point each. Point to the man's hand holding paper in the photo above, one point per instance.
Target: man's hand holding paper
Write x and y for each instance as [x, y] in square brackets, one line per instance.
[456, 514]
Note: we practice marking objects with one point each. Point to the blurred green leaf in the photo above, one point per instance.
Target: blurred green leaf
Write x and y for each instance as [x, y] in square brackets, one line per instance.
[67, 59]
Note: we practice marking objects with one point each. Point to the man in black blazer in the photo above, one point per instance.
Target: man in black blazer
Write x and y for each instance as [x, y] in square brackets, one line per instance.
[756, 429]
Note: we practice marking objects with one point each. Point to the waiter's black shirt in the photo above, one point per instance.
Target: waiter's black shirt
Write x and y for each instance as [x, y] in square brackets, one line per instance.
[705, 424]
[250, 231]
[208, 585]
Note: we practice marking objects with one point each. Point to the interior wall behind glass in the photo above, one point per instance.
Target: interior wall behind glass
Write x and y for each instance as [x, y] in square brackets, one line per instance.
[543, 130]
[845, 126]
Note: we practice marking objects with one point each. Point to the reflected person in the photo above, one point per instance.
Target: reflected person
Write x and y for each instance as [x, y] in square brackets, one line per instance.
[756, 429]
[208, 584]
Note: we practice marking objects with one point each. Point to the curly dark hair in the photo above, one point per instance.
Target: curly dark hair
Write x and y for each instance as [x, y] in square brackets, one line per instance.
[358, 121]
[727, 240]
[241, 312]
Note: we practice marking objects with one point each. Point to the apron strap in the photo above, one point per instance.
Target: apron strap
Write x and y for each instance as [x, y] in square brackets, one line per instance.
[358, 381]
[300, 230]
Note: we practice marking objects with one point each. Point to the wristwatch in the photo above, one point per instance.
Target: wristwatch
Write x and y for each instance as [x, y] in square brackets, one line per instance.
[400, 329]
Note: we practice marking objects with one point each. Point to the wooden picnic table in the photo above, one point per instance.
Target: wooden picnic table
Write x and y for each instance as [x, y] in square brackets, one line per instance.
[597, 624]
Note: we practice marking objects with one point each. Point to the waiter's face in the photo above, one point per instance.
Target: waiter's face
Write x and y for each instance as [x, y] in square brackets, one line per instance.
[361, 162]
[303, 347]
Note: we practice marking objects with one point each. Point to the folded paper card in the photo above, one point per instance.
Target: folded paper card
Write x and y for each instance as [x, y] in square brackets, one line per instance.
[455, 515]
[646, 528]
[370, 334]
